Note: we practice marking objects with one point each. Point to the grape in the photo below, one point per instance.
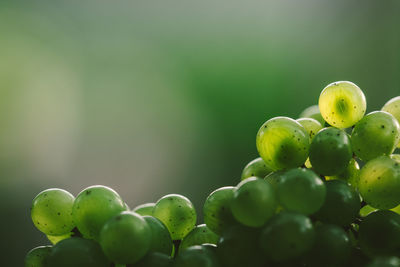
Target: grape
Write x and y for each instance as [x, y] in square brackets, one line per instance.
[342, 204]
[256, 168]
[93, 207]
[286, 236]
[379, 183]
[367, 209]
[51, 211]
[376, 134]
[351, 174]
[54, 239]
[126, 238]
[37, 257]
[342, 104]
[379, 233]
[330, 151]
[282, 143]
[273, 179]
[160, 238]
[145, 209]
[154, 259]
[313, 113]
[201, 234]
[385, 262]
[393, 107]
[77, 252]
[197, 256]
[301, 190]
[177, 213]
[217, 212]
[253, 202]
[312, 126]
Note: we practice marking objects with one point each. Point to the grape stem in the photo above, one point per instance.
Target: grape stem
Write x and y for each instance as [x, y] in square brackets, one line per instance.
[176, 245]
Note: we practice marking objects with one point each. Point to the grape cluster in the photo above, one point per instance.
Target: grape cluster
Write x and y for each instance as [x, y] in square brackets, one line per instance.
[325, 191]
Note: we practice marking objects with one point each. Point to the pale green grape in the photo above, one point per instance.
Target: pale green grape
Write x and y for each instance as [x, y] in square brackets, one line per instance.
[342, 104]
[201, 234]
[160, 238]
[393, 107]
[312, 126]
[313, 113]
[145, 209]
[256, 168]
[38, 256]
[177, 213]
[51, 211]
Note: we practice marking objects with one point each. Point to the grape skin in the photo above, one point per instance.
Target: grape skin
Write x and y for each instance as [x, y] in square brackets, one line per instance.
[256, 167]
[145, 209]
[393, 107]
[37, 257]
[201, 234]
[313, 113]
[312, 126]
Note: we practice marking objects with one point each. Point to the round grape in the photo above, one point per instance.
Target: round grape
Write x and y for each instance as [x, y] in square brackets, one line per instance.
[256, 168]
[313, 113]
[312, 126]
[145, 209]
[160, 238]
[197, 256]
[200, 235]
[393, 107]
[38, 256]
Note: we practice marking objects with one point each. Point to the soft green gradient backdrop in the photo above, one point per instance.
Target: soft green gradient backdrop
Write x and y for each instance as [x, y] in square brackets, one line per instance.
[157, 97]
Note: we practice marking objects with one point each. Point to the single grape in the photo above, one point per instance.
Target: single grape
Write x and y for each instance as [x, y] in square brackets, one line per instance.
[93, 207]
[54, 239]
[313, 113]
[385, 262]
[145, 209]
[126, 238]
[217, 212]
[160, 238]
[282, 143]
[286, 236]
[330, 151]
[196, 256]
[312, 126]
[301, 190]
[342, 204]
[200, 235]
[351, 174]
[256, 168]
[154, 259]
[376, 134]
[51, 211]
[379, 183]
[38, 256]
[77, 252]
[393, 107]
[177, 213]
[379, 233]
[342, 104]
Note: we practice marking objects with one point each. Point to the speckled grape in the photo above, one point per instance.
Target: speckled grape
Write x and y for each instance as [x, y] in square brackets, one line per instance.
[312, 126]
[256, 168]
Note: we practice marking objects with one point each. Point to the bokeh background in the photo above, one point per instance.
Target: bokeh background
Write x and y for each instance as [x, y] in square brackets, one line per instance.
[158, 97]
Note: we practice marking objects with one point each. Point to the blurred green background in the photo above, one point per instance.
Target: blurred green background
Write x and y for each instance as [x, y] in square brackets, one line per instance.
[158, 97]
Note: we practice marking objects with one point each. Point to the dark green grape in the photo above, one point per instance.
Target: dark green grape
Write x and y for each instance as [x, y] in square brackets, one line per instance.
[282, 143]
[177, 213]
[160, 238]
[286, 236]
[126, 238]
[256, 168]
[379, 183]
[379, 233]
[145, 209]
[154, 259]
[313, 112]
[217, 212]
[54, 239]
[376, 134]
[93, 207]
[201, 234]
[197, 256]
[393, 107]
[357, 258]
[351, 174]
[342, 204]
[330, 151]
[77, 252]
[301, 190]
[312, 126]
[51, 211]
[385, 262]
[342, 104]
[253, 202]
[273, 179]
[38, 256]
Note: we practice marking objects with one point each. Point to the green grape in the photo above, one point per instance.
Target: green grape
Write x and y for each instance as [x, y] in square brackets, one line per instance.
[197, 256]
[200, 235]
[367, 209]
[177, 213]
[282, 143]
[313, 113]
[331, 247]
[38, 256]
[342, 104]
[376, 134]
[145, 209]
[379, 183]
[301, 190]
[330, 151]
[93, 207]
[160, 238]
[393, 107]
[256, 168]
[312, 126]
[253, 202]
[286, 236]
[385, 262]
[351, 174]
[51, 211]
[217, 212]
[154, 259]
[379, 233]
[54, 239]
[342, 204]
[126, 238]
[77, 252]
[273, 179]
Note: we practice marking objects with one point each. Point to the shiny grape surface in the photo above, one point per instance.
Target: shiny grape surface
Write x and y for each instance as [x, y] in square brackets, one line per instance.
[160, 237]
[393, 107]
[197, 256]
[257, 168]
[145, 209]
[38, 256]
[312, 126]
[200, 235]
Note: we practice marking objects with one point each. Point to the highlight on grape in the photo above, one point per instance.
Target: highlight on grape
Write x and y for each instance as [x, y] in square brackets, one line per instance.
[325, 191]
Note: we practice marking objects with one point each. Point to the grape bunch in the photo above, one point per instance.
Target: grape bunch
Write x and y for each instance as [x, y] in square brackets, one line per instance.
[325, 191]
